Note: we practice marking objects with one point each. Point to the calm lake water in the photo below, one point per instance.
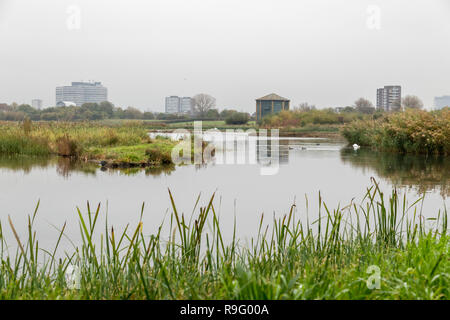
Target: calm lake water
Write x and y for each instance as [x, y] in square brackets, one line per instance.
[243, 192]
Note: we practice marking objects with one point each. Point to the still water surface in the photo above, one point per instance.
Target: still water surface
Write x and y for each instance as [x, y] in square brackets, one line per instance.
[306, 166]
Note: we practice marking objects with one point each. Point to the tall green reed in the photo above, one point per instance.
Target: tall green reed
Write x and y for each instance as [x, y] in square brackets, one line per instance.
[289, 258]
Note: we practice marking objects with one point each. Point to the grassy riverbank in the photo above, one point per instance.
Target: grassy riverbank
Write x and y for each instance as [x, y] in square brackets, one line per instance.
[89, 141]
[308, 130]
[188, 124]
[118, 143]
[342, 255]
[412, 131]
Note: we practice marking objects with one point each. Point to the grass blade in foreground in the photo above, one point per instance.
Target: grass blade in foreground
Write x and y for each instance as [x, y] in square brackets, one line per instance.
[288, 259]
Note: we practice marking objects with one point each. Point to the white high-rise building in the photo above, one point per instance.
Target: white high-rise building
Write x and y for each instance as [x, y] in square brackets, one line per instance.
[82, 92]
[176, 104]
[441, 102]
[186, 105]
[37, 104]
[389, 97]
[172, 104]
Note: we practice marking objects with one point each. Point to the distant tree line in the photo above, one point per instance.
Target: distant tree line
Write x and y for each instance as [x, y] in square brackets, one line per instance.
[88, 111]
[106, 110]
[408, 102]
[204, 108]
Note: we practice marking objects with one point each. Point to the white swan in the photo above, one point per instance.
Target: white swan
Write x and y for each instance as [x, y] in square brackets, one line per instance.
[356, 147]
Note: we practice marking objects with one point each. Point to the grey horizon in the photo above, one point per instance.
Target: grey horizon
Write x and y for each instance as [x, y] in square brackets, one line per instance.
[316, 51]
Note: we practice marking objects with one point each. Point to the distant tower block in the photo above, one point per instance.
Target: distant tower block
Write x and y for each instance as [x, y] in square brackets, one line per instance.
[82, 92]
[389, 97]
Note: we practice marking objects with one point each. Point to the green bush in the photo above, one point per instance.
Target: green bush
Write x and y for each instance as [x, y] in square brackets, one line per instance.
[67, 147]
[68, 139]
[413, 131]
[237, 118]
[158, 157]
[300, 118]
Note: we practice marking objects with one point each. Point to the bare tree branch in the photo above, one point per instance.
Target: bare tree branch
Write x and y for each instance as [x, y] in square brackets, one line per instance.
[412, 102]
[364, 106]
[203, 103]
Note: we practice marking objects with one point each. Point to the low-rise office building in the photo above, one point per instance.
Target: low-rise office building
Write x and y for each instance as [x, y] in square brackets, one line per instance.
[272, 103]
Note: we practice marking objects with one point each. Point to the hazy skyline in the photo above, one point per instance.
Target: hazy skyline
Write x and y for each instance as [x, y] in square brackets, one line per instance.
[319, 51]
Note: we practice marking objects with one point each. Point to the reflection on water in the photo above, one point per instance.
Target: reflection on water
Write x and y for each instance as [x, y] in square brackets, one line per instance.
[251, 150]
[420, 173]
[307, 167]
[65, 166]
[266, 151]
[238, 147]
[149, 171]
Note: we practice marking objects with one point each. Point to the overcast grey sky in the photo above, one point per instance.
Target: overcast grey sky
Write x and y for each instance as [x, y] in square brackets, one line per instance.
[320, 51]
